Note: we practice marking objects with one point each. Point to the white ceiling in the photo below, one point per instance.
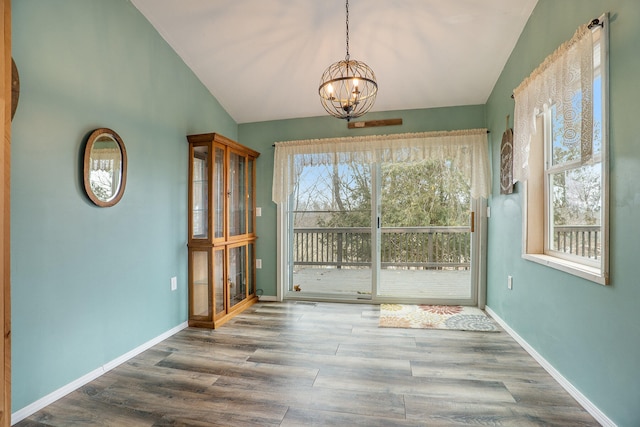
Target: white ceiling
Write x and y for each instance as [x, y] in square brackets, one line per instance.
[262, 59]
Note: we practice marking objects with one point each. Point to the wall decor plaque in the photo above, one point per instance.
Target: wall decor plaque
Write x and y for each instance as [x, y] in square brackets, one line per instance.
[506, 162]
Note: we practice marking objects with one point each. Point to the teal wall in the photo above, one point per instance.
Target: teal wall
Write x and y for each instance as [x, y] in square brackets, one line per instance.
[261, 136]
[588, 332]
[90, 284]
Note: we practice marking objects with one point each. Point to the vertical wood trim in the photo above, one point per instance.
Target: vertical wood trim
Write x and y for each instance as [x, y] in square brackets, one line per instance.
[5, 250]
[534, 199]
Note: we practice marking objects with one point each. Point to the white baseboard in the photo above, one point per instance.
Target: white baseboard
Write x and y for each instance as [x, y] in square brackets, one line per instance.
[267, 298]
[574, 392]
[31, 409]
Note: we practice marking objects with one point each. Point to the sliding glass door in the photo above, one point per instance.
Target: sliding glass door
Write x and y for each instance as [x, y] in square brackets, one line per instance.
[386, 232]
[330, 235]
[424, 234]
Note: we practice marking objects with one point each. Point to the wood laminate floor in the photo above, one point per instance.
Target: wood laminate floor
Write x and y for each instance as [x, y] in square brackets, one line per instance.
[321, 364]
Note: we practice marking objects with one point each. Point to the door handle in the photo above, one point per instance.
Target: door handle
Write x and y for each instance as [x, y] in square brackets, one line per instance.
[473, 221]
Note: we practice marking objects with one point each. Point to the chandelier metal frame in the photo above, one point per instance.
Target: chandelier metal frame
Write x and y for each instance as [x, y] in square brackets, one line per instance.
[348, 88]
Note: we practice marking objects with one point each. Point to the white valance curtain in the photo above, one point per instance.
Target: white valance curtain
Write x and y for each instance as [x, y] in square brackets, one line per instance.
[466, 149]
[564, 79]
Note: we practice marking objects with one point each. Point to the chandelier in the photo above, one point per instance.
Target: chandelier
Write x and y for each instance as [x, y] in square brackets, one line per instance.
[348, 88]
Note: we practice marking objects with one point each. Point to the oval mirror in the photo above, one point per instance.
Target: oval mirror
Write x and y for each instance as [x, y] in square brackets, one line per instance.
[105, 167]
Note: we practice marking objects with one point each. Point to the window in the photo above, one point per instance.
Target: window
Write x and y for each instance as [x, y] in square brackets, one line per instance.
[565, 168]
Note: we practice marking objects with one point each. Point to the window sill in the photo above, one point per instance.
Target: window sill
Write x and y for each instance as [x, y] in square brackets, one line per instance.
[589, 273]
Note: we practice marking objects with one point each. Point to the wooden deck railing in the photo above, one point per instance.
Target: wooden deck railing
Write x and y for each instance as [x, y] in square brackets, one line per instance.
[581, 240]
[416, 247]
[401, 247]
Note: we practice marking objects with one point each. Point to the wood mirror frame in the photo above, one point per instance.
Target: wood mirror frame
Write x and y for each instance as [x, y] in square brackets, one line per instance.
[15, 88]
[105, 167]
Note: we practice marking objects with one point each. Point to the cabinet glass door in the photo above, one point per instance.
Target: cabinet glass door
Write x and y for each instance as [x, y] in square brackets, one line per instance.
[218, 193]
[218, 281]
[250, 199]
[201, 298]
[237, 195]
[237, 275]
[200, 193]
[251, 269]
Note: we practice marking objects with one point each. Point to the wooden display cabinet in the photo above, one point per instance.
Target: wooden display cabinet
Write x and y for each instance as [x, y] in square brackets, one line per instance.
[221, 229]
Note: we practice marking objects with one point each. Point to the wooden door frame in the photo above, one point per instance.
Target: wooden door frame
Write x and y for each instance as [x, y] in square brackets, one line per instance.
[5, 214]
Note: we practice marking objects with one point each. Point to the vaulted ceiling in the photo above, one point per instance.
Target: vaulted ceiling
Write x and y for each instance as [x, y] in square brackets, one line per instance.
[262, 59]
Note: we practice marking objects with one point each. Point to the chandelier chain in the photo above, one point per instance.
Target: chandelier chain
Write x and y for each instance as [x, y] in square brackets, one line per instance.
[347, 24]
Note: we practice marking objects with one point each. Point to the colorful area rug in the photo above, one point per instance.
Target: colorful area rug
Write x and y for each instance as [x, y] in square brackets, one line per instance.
[435, 317]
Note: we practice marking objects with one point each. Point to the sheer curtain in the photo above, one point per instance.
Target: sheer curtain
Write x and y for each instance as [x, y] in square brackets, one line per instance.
[466, 149]
[563, 80]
